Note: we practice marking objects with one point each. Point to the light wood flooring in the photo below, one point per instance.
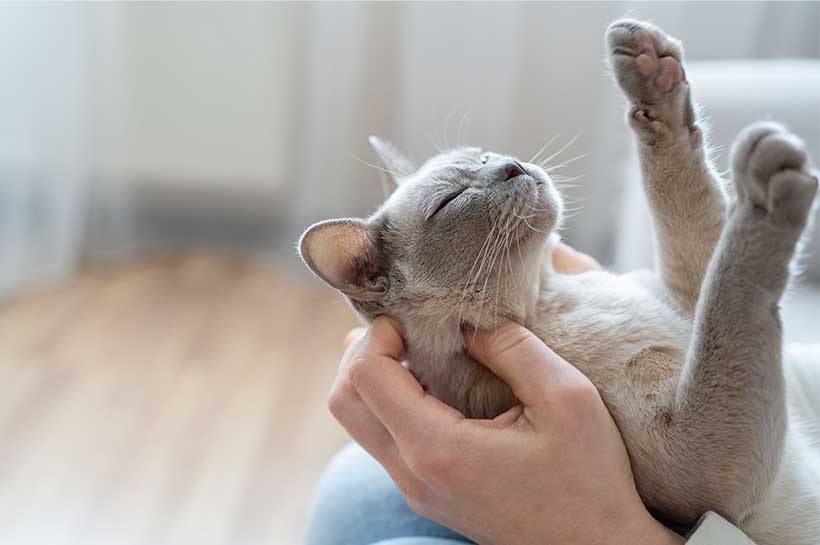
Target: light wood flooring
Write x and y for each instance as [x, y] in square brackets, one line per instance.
[174, 401]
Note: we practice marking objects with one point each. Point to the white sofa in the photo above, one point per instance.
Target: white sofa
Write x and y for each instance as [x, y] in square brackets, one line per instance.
[733, 94]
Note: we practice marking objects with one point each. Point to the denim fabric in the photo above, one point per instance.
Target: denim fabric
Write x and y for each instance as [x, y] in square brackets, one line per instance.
[356, 503]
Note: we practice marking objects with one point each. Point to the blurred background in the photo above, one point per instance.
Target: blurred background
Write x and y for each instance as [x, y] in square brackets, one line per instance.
[164, 357]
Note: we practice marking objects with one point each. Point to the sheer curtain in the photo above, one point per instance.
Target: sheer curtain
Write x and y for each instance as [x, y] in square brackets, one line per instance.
[116, 114]
[43, 145]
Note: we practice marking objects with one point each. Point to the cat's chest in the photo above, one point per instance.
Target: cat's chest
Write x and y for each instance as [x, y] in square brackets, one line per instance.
[606, 324]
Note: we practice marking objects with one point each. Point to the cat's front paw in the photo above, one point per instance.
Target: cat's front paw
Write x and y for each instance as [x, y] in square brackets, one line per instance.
[771, 174]
[648, 66]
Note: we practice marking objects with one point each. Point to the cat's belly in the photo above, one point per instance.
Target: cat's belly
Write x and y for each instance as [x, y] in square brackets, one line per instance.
[602, 324]
[791, 513]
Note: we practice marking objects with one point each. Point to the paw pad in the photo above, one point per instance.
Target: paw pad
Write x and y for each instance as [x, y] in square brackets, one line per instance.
[646, 61]
[771, 172]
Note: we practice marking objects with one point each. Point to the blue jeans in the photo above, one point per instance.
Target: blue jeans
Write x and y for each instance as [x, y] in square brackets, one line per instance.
[357, 503]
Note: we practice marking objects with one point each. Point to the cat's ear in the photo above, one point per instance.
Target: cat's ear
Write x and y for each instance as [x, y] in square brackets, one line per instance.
[346, 254]
[396, 162]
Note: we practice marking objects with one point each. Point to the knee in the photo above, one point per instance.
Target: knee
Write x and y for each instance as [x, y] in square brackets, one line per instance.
[357, 503]
[352, 490]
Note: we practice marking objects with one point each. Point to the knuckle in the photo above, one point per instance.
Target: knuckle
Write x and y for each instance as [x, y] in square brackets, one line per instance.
[357, 370]
[506, 338]
[578, 400]
[337, 401]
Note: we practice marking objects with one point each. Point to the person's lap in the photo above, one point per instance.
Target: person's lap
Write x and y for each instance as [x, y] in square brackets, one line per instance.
[356, 503]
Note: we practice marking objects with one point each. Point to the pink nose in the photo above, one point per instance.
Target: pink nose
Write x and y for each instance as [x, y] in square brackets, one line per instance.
[513, 168]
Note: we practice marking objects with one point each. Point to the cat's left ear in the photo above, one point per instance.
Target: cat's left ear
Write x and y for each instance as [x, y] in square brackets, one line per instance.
[397, 163]
[346, 254]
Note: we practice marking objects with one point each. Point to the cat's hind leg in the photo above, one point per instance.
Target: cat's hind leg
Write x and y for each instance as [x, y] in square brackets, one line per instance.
[684, 193]
[729, 418]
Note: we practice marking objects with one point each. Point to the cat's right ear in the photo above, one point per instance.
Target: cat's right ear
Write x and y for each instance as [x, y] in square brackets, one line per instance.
[346, 254]
[398, 165]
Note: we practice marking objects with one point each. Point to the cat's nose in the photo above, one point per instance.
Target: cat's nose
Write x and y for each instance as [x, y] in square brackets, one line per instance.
[513, 168]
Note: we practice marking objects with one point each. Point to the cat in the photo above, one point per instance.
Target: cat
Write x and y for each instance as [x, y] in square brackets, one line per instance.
[687, 358]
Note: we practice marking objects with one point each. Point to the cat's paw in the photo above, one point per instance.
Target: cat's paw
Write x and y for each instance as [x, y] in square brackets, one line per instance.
[648, 66]
[771, 174]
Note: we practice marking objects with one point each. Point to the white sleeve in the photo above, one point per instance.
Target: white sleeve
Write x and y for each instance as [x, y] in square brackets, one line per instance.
[712, 529]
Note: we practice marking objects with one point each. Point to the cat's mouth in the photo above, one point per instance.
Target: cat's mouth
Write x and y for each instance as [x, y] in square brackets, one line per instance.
[532, 208]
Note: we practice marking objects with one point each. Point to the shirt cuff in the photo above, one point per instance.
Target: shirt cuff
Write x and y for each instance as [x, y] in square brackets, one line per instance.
[712, 529]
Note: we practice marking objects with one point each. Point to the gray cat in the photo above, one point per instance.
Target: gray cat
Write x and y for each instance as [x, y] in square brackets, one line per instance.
[687, 358]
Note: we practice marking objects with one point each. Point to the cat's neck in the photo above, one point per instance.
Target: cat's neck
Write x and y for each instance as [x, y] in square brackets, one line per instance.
[440, 336]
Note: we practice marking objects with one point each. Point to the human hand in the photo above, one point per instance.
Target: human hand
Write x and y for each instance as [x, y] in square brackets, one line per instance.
[554, 470]
[566, 259]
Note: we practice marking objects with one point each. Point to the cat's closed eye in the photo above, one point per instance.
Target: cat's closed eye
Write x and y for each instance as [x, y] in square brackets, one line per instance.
[447, 200]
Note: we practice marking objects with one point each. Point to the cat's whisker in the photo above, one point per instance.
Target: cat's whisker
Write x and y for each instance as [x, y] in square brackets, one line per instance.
[527, 223]
[504, 245]
[572, 214]
[538, 153]
[377, 167]
[508, 269]
[493, 259]
[561, 149]
[562, 180]
[520, 255]
[536, 210]
[565, 163]
[489, 244]
[447, 127]
[468, 286]
[435, 142]
[461, 125]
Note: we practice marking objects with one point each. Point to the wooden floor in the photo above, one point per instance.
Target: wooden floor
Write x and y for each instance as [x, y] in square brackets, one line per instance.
[172, 401]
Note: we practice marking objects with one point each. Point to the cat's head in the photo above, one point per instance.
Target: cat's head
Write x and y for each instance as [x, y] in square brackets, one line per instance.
[461, 236]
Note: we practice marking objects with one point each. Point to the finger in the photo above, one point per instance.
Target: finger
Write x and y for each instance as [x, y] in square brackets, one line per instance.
[393, 393]
[521, 360]
[368, 431]
[399, 401]
[384, 337]
[509, 417]
[353, 334]
[348, 407]
[566, 259]
[356, 417]
[364, 427]
[503, 420]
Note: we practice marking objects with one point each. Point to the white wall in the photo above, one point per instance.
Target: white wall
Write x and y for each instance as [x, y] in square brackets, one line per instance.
[43, 148]
[194, 93]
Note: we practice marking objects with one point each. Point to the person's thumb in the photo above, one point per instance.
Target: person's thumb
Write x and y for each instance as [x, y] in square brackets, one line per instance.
[521, 360]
